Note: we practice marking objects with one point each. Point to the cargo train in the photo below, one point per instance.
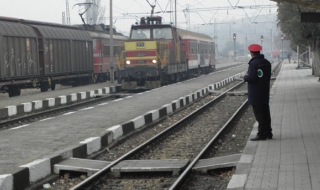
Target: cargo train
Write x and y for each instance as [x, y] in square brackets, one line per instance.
[40, 55]
[158, 54]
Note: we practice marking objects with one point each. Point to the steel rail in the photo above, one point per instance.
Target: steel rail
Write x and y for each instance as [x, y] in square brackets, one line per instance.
[188, 170]
[103, 171]
[106, 169]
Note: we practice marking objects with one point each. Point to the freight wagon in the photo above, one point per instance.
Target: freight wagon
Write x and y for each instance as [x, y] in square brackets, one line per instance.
[40, 55]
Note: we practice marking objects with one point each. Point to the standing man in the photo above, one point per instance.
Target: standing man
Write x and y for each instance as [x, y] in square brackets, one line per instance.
[258, 78]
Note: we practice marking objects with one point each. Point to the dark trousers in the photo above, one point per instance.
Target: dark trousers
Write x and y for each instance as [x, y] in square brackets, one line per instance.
[263, 117]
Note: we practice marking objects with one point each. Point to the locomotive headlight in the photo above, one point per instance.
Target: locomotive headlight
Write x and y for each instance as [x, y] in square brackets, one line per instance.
[154, 61]
[128, 62]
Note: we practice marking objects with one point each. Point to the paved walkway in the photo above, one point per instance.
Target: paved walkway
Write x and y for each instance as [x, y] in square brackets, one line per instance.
[292, 159]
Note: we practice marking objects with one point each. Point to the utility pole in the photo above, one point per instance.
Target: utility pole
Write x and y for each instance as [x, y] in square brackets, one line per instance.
[262, 42]
[171, 11]
[68, 13]
[234, 47]
[215, 35]
[111, 45]
[63, 18]
[282, 47]
[271, 43]
[175, 11]
[187, 17]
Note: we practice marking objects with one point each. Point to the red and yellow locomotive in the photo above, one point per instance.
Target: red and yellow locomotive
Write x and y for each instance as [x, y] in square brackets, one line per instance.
[158, 54]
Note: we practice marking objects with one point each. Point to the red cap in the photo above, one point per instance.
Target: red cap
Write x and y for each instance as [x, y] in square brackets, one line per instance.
[254, 48]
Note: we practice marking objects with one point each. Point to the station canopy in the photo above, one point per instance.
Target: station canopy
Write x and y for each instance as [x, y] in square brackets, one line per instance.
[306, 3]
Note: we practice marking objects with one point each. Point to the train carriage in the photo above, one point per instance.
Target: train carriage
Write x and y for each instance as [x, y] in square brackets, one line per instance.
[19, 62]
[65, 55]
[40, 55]
[101, 51]
[158, 54]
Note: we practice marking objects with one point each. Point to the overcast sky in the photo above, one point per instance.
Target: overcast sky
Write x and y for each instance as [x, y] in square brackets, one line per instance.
[51, 10]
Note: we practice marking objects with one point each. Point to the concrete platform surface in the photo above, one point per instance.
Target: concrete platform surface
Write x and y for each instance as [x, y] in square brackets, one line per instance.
[291, 160]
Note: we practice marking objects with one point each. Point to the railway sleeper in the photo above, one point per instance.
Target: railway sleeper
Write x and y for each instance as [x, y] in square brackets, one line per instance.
[91, 166]
[168, 165]
[80, 165]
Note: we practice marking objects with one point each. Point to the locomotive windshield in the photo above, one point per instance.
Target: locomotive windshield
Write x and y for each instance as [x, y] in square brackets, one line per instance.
[139, 34]
[157, 33]
[164, 33]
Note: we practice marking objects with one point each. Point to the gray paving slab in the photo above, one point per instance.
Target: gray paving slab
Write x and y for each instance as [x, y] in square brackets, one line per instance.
[22, 145]
[291, 159]
[217, 162]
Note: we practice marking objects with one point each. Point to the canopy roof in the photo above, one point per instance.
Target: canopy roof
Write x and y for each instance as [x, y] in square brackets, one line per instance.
[305, 3]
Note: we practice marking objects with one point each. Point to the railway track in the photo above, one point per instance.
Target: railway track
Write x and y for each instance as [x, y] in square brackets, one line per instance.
[186, 139]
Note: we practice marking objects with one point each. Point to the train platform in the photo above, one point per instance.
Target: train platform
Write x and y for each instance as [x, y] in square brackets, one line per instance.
[291, 159]
[31, 100]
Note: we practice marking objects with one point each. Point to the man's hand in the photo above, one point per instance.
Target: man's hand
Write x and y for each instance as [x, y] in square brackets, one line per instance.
[243, 74]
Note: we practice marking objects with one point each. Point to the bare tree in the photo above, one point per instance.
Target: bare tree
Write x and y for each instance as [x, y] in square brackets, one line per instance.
[95, 12]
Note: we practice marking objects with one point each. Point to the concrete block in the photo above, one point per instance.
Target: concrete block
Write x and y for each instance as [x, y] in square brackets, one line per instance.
[38, 169]
[116, 130]
[98, 91]
[128, 127]
[168, 107]
[183, 101]
[155, 114]
[83, 95]
[27, 107]
[51, 102]
[3, 113]
[106, 139]
[73, 97]
[21, 178]
[190, 98]
[113, 89]
[37, 104]
[177, 103]
[93, 144]
[12, 110]
[80, 151]
[91, 93]
[6, 182]
[63, 99]
[107, 90]
[138, 122]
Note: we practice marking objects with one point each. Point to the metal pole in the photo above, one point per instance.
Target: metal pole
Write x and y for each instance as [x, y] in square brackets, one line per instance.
[282, 50]
[175, 17]
[234, 48]
[111, 45]
[298, 56]
[271, 46]
[309, 55]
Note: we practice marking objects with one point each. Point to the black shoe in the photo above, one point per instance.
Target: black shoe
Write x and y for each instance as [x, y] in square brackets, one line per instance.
[269, 136]
[258, 138]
